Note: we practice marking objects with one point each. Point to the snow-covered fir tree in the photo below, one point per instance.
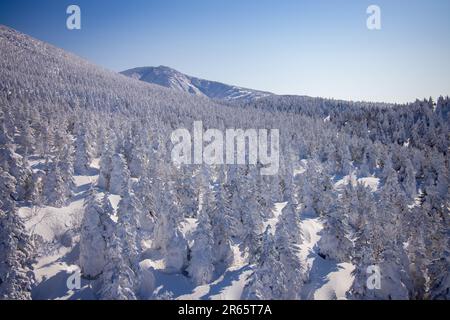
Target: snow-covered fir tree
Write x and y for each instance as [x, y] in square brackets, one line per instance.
[104, 177]
[120, 175]
[83, 152]
[267, 281]
[201, 264]
[93, 237]
[16, 249]
[335, 242]
[168, 237]
[118, 280]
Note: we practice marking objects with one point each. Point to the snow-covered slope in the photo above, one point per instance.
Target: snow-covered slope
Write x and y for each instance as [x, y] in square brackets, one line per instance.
[170, 78]
[57, 259]
[86, 183]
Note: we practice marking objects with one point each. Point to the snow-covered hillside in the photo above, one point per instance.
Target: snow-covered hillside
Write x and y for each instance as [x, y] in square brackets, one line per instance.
[57, 258]
[88, 192]
[170, 78]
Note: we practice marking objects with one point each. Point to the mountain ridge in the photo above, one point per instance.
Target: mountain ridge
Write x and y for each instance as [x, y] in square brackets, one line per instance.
[174, 79]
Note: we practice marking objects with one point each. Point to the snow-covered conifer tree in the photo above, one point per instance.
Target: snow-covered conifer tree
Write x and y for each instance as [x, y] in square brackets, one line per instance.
[14, 164]
[118, 280]
[168, 238]
[267, 281]
[120, 175]
[201, 268]
[287, 241]
[335, 242]
[128, 228]
[216, 204]
[104, 176]
[92, 238]
[16, 250]
[83, 152]
[57, 190]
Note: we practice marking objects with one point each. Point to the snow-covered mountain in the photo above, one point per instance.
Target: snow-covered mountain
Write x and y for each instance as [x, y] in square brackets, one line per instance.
[171, 78]
[88, 190]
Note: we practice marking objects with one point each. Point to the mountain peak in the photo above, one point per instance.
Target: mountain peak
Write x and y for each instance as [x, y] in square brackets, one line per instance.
[170, 78]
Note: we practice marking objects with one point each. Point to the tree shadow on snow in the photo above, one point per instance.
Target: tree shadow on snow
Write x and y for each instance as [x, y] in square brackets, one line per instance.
[180, 285]
[72, 256]
[91, 172]
[176, 284]
[81, 191]
[224, 282]
[320, 270]
[55, 287]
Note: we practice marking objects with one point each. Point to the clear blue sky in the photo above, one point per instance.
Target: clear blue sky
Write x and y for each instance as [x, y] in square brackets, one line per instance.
[311, 47]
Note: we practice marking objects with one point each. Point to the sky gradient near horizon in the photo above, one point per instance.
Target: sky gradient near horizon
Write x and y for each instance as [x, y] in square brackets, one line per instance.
[305, 47]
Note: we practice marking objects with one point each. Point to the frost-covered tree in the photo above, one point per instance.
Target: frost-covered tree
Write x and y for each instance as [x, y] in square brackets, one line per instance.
[93, 237]
[168, 237]
[120, 175]
[252, 213]
[26, 138]
[104, 177]
[14, 164]
[335, 242]
[233, 201]
[201, 267]
[138, 161]
[146, 191]
[409, 180]
[83, 152]
[393, 207]
[118, 281]
[128, 228]
[278, 274]
[437, 242]
[16, 250]
[120, 277]
[379, 244]
[287, 242]
[417, 252]
[218, 208]
[266, 282]
[185, 192]
[58, 185]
